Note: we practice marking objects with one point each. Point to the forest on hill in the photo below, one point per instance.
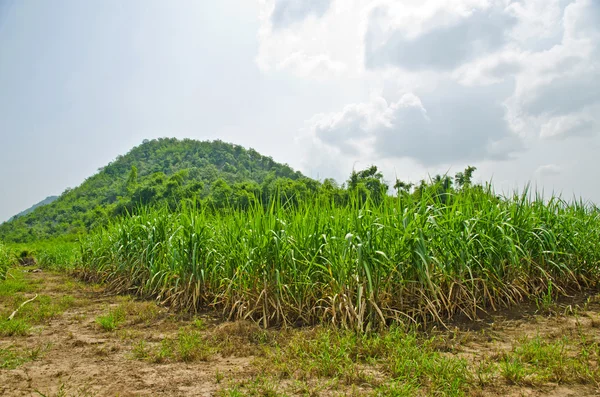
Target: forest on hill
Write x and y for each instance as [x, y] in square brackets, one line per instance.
[45, 201]
[165, 170]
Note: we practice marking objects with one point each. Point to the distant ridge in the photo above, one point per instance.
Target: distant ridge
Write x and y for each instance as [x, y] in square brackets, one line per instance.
[45, 201]
[165, 170]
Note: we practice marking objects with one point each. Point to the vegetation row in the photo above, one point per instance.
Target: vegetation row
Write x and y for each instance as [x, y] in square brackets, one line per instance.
[367, 263]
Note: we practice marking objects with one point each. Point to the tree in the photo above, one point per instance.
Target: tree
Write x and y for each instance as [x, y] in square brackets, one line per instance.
[220, 193]
[402, 187]
[368, 182]
[463, 179]
[442, 186]
[245, 194]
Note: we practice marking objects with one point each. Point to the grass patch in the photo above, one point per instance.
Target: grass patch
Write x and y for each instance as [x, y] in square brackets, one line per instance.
[16, 282]
[38, 311]
[129, 312]
[187, 346]
[139, 312]
[190, 346]
[54, 254]
[535, 361]
[6, 260]
[111, 320]
[413, 363]
[257, 386]
[11, 357]
[45, 308]
[243, 338]
[15, 327]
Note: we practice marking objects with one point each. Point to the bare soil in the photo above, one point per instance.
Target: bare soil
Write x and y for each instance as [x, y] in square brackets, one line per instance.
[74, 356]
[79, 358]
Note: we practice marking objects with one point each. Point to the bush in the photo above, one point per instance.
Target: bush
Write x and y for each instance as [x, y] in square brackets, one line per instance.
[5, 261]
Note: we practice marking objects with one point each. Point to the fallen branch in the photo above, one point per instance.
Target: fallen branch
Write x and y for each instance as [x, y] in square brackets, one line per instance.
[19, 308]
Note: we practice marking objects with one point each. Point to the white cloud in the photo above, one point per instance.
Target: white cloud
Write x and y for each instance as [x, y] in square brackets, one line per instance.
[557, 93]
[304, 65]
[320, 44]
[548, 170]
[288, 12]
[538, 22]
[436, 35]
[582, 123]
[451, 125]
[492, 69]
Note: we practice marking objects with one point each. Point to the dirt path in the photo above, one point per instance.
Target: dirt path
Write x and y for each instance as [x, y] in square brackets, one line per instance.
[83, 342]
[78, 358]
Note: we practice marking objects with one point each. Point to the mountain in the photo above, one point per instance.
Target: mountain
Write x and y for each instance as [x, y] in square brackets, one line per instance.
[45, 201]
[165, 170]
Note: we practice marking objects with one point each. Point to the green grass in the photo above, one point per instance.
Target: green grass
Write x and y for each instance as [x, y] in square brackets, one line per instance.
[257, 386]
[535, 361]
[400, 362]
[16, 327]
[54, 254]
[12, 357]
[45, 307]
[6, 260]
[187, 346]
[190, 346]
[36, 312]
[130, 312]
[408, 361]
[359, 266]
[17, 283]
[111, 320]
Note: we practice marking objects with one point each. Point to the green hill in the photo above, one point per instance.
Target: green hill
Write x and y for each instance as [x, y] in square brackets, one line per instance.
[45, 201]
[164, 170]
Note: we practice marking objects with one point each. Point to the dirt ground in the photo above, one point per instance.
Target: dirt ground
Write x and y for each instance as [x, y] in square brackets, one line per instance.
[68, 352]
[79, 358]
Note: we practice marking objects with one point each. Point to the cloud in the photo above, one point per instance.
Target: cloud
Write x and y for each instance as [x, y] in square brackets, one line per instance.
[295, 37]
[288, 12]
[548, 170]
[443, 39]
[538, 22]
[557, 92]
[492, 69]
[444, 82]
[454, 124]
[304, 65]
[582, 123]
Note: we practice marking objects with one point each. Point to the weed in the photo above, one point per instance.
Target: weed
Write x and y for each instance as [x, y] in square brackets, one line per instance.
[191, 346]
[397, 389]
[6, 261]
[16, 283]
[112, 320]
[258, 386]
[199, 323]
[484, 372]
[513, 370]
[536, 361]
[12, 357]
[218, 376]
[15, 327]
[140, 350]
[165, 351]
[412, 362]
[187, 346]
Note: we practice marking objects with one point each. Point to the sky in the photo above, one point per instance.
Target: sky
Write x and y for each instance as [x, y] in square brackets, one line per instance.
[416, 87]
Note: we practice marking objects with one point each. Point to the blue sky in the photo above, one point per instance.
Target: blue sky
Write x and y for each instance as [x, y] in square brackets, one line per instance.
[512, 87]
